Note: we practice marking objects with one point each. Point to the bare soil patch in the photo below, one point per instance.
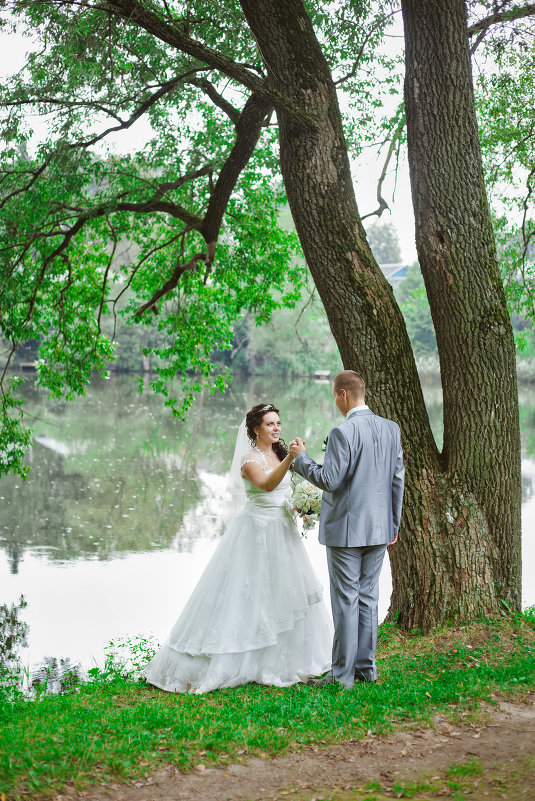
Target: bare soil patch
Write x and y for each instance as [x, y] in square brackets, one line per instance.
[503, 741]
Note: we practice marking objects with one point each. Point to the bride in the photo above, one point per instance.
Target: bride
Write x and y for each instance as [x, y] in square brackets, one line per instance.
[257, 612]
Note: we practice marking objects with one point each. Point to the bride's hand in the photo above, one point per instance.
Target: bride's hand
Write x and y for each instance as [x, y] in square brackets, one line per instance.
[297, 446]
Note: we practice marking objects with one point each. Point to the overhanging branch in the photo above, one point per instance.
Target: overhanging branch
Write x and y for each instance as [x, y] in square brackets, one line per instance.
[248, 129]
[35, 175]
[180, 269]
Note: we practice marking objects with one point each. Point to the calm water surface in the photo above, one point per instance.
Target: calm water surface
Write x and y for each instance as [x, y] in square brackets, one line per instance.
[109, 535]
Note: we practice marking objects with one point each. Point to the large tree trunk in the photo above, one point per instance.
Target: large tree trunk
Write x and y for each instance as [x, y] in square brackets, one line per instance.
[455, 242]
[448, 564]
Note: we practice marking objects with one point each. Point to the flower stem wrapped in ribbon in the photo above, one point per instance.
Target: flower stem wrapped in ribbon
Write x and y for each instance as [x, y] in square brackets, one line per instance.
[306, 501]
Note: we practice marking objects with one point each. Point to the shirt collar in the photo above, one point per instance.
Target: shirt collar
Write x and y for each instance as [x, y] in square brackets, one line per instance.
[360, 408]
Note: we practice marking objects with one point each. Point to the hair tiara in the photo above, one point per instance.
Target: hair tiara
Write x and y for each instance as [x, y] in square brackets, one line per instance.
[265, 408]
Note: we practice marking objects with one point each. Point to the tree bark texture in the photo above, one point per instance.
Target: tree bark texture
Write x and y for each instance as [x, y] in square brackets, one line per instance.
[459, 548]
[478, 486]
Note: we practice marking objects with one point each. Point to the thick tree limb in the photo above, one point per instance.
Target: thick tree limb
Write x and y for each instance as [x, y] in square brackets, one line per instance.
[168, 186]
[156, 202]
[166, 206]
[248, 129]
[135, 12]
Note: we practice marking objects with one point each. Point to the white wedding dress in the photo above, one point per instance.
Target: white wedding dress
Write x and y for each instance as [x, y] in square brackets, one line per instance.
[256, 614]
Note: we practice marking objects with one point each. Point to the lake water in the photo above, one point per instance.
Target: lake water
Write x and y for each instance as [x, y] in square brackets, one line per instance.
[110, 533]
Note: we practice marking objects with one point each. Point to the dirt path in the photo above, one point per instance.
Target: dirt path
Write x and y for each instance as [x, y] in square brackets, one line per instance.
[506, 744]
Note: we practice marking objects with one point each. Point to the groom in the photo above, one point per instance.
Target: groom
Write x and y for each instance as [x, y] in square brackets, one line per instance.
[362, 478]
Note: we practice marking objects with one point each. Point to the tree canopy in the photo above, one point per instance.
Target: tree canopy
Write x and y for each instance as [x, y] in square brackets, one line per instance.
[181, 235]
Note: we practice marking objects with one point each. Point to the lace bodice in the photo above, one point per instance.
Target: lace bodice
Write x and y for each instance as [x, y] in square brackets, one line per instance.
[260, 498]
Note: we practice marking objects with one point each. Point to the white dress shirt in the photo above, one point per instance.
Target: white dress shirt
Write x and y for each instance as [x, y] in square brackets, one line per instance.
[357, 409]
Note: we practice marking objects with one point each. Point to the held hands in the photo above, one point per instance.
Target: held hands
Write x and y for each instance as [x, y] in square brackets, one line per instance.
[297, 446]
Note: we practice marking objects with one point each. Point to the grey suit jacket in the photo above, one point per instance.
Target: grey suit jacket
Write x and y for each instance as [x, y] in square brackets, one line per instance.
[362, 479]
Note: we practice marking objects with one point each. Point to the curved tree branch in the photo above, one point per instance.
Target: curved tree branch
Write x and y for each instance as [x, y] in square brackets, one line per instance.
[383, 205]
[216, 98]
[35, 175]
[193, 220]
[168, 186]
[518, 12]
[165, 88]
[248, 129]
[149, 206]
[180, 269]
[368, 36]
[140, 263]
[59, 101]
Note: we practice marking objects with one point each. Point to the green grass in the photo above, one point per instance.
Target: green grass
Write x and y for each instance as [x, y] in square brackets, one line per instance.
[471, 768]
[111, 728]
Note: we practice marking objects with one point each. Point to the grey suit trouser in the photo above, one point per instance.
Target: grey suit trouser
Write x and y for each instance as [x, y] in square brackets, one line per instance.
[354, 578]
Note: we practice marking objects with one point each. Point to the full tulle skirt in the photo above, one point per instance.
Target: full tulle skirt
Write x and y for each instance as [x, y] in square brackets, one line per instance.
[256, 614]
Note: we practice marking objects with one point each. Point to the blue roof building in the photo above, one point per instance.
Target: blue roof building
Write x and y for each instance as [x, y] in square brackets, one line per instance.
[394, 273]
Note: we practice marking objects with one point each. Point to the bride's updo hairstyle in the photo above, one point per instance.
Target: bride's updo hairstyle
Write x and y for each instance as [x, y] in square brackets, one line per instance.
[253, 420]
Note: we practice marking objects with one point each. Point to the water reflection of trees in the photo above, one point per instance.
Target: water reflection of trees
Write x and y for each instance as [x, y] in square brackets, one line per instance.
[13, 633]
[121, 483]
[123, 506]
[128, 477]
[114, 472]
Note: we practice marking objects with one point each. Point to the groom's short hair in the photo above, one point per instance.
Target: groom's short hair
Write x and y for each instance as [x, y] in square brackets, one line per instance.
[351, 381]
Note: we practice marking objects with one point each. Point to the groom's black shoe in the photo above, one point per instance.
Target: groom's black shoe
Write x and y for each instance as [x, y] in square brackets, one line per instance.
[361, 676]
[328, 679]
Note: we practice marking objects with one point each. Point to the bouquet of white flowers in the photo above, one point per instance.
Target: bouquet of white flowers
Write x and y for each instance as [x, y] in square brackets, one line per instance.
[306, 501]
